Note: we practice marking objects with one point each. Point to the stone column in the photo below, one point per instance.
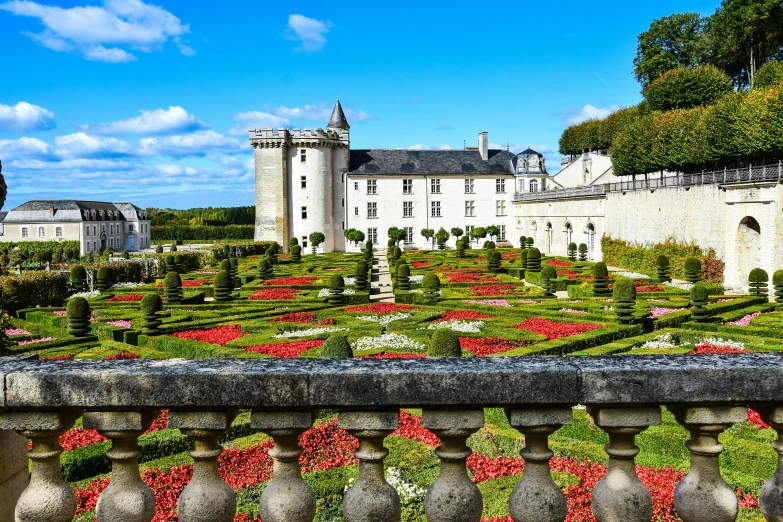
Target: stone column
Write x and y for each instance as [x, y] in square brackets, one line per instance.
[620, 496]
[537, 498]
[703, 495]
[287, 498]
[127, 498]
[453, 497]
[13, 471]
[371, 498]
[207, 498]
[47, 498]
[771, 497]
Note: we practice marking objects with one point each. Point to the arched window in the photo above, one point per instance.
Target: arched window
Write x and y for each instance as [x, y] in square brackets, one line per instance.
[533, 185]
[569, 233]
[549, 238]
[590, 231]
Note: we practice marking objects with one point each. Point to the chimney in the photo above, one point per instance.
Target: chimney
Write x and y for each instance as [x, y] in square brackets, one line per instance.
[483, 145]
[51, 211]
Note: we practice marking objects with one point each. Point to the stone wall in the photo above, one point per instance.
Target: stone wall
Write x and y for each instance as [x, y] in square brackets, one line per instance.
[271, 194]
[13, 472]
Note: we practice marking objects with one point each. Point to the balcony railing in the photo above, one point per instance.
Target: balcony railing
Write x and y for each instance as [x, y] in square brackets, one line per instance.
[707, 393]
[569, 193]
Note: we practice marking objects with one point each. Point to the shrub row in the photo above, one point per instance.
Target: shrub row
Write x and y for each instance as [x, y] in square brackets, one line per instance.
[206, 233]
[32, 289]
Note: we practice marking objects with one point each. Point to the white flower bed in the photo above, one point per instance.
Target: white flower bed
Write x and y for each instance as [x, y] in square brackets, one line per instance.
[309, 332]
[128, 285]
[394, 341]
[420, 291]
[415, 279]
[458, 325]
[660, 342]
[410, 494]
[324, 292]
[631, 275]
[384, 319]
[721, 342]
[88, 295]
[681, 286]
[350, 280]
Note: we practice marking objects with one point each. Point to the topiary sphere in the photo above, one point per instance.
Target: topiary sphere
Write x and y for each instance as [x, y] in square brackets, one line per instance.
[600, 270]
[225, 265]
[159, 249]
[529, 241]
[777, 278]
[699, 293]
[533, 253]
[403, 270]
[757, 275]
[662, 261]
[293, 242]
[523, 254]
[692, 264]
[78, 308]
[178, 259]
[151, 303]
[336, 281]
[172, 280]
[104, 273]
[430, 280]
[444, 343]
[78, 273]
[361, 268]
[223, 279]
[572, 246]
[337, 347]
[624, 290]
[270, 251]
[548, 273]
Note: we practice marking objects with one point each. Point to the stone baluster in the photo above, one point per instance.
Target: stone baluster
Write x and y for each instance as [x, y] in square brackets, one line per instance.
[371, 498]
[287, 498]
[620, 496]
[771, 497]
[207, 498]
[453, 497]
[702, 495]
[47, 498]
[127, 498]
[537, 498]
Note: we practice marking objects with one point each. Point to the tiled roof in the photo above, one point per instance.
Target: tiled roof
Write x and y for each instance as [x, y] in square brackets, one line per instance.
[379, 161]
[70, 210]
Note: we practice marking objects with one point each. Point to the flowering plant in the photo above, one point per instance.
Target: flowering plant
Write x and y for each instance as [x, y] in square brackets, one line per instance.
[458, 326]
[384, 319]
[380, 308]
[489, 302]
[220, 335]
[310, 332]
[490, 290]
[421, 264]
[554, 329]
[393, 341]
[745, 321]
[452, 315]
[469, 278]
[16, 331]
[658, 312]
[127, 298]
[290, 350]
[302, 318]
[557, 262]
[291, 281]
[121, 355]
[274, 294]
[34, 341]
[572, 311]
[120, 323]
[481, 347]
[66, 357]
[87, 295]
[704, 348]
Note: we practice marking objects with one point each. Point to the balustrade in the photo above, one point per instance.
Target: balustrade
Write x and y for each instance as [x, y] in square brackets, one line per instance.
[707, 394]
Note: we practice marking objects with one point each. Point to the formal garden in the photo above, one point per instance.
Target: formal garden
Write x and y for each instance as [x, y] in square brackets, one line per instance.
[468, 302]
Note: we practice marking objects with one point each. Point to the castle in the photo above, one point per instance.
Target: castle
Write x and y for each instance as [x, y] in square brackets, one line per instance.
[311, 180]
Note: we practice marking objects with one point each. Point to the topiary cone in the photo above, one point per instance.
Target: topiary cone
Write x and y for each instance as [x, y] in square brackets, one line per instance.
[431, 287]
[601, 280]
[777, 281]
[79, 278]
[523, 258]
[234, 267]
[179, 264]
[549, 280]
[262, 269]
[444, 343]
[77, 313]
[663, 269]
[699, 302]
[172, 287]
[582, 252]
[360, 275]
[624, 296]
[223, 287]
[493, 261]
[693, 270]
[150, 306]
[572, 251]
[403, 276]
[533, 259]
[336, 347]
[296, 254]
[104, 279]
[758, 280]
[336, 289]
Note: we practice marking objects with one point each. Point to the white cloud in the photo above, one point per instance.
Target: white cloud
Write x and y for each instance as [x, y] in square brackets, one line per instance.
[308, 31]
[589, 112]
[420, 146]
[169, 170]
[25, 117]
[73, 165]
[277, 117]
[200, 143]
[90, 29]
[23, 148]
[256, 120]
[161, 121]
[81, 145]
[444, 147]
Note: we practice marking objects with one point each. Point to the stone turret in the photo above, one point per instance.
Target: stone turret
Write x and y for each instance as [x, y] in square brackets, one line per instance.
[338, 119]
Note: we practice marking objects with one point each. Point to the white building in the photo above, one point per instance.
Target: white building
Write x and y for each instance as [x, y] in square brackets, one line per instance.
[121, 226]
[308, 181]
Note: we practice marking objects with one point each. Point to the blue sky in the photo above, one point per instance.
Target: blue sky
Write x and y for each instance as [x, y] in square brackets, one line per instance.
[158, 99]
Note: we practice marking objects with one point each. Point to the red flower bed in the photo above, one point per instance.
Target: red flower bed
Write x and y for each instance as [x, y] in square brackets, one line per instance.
[220, 335]
[195, 282]
[715, 348]
[481, 347]
[755, 418]
[412, 427]
[380, 308]
[302, 318]
[274, 294]
[285, 350]
[66, 357]
[394, 355]
[554, 329]
[420, 264]
[556, 262]
[491, 290]
[469, 277]
[453, 315]
[79, 437]
[291, 281]
[121, 355]
[643, 286]
[127, 298]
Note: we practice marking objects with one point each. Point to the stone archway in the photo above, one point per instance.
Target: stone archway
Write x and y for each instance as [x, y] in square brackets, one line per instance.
[590, 233]
[549, 238]
[748, 247]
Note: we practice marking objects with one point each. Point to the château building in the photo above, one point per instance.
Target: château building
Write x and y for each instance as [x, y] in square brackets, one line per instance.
[94, 224]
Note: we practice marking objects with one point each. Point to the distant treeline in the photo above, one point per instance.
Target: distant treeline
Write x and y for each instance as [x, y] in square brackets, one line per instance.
[202, 217]
[210, 233]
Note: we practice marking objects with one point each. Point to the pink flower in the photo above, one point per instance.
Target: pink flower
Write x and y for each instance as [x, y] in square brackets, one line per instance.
[745, 321]
[16, 331]
[39, 340]
[120, 323]
[657, 312]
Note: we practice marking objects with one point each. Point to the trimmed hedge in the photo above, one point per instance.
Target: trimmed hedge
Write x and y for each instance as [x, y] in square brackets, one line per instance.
[336, 347]
[444, 343]
[687, 87]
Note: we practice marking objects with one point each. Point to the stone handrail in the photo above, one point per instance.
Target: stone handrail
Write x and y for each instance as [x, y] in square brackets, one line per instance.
[707, 393]
[569, 193]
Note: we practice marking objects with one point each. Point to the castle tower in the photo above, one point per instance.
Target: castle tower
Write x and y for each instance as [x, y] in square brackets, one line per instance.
[300, 182]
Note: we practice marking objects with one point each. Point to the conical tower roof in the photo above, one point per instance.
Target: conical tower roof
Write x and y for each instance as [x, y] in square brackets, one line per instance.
[338, 120]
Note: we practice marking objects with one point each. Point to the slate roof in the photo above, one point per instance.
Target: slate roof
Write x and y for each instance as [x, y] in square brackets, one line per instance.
[338, 119]
[381, 161]
[71, 210]
[529, 152]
